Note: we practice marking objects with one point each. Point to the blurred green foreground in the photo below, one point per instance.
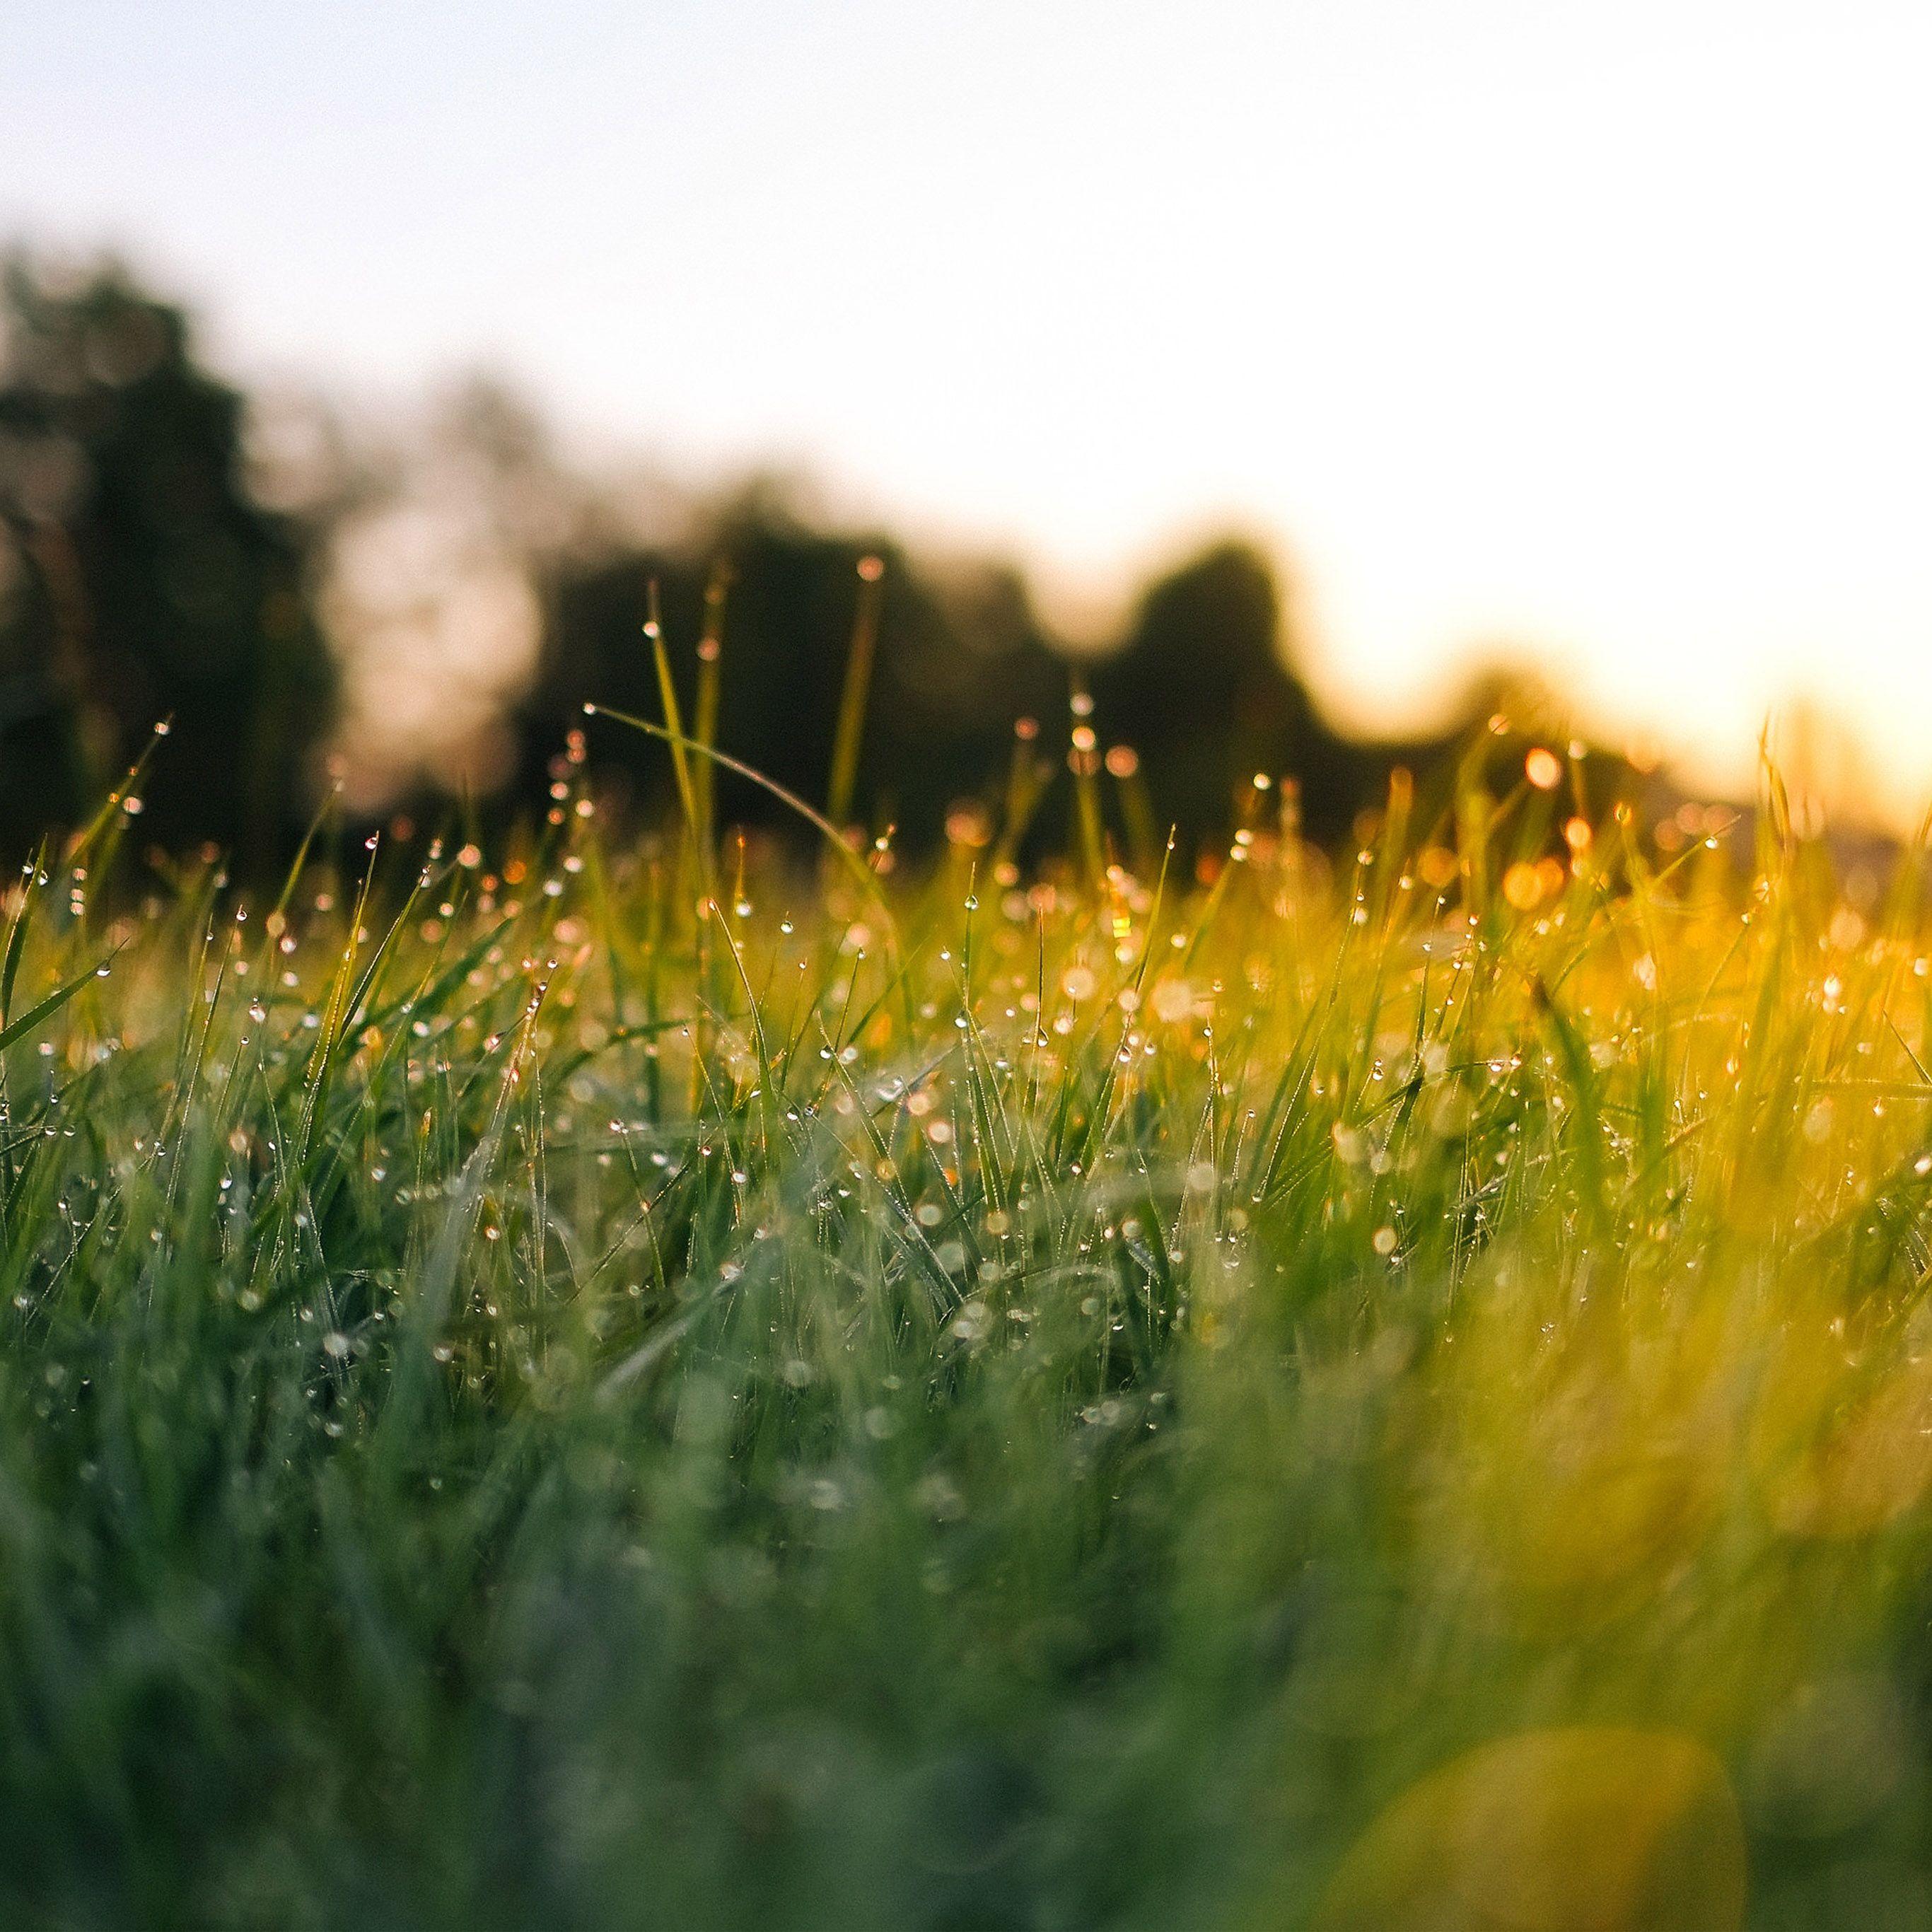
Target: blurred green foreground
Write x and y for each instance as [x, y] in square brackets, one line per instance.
[582, 1388]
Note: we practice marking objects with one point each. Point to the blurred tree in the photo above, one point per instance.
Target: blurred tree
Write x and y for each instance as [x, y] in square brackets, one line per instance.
[482, 588]
[956, 664]
[140, 578]
[1506, 712]
[1202, 687]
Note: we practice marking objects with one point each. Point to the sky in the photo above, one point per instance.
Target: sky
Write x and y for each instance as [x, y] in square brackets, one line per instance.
[1598, 336]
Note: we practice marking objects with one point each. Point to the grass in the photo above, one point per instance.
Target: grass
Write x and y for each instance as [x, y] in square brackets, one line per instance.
[1394, 1393]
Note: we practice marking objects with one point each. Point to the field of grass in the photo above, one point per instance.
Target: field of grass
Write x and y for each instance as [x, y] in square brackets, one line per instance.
[620, 1383]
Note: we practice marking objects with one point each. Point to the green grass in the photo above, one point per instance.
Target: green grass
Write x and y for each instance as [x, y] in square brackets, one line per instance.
[1388, 1393]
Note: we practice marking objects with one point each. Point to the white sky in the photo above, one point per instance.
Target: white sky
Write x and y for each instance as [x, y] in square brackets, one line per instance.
[1603, 329]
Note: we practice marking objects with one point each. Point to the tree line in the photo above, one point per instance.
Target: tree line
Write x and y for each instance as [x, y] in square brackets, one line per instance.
[148, 572]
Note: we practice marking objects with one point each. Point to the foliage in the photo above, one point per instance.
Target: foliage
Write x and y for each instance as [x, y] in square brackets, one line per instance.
[1197, 689]
[140, 579]
[629, 1386]
[468, 588]
[779, 602]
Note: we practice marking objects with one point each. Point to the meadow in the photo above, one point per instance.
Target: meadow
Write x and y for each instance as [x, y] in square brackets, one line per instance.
[630, 1380]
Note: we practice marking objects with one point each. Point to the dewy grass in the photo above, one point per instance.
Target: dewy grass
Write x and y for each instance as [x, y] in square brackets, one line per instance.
[1392, 1393]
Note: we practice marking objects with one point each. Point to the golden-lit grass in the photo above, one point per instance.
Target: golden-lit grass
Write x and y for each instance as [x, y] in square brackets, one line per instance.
[637, 1383]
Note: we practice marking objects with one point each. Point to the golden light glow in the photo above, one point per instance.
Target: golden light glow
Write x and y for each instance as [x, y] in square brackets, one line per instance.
[1543, 768]
[1579, 1830]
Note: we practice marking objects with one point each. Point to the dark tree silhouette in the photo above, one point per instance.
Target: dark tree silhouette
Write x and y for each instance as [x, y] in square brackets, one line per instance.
[1202, 686]
[955, 666]
[140, 577]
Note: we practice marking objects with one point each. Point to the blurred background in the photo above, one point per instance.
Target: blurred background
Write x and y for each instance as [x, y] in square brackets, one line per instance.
[1308, 383]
